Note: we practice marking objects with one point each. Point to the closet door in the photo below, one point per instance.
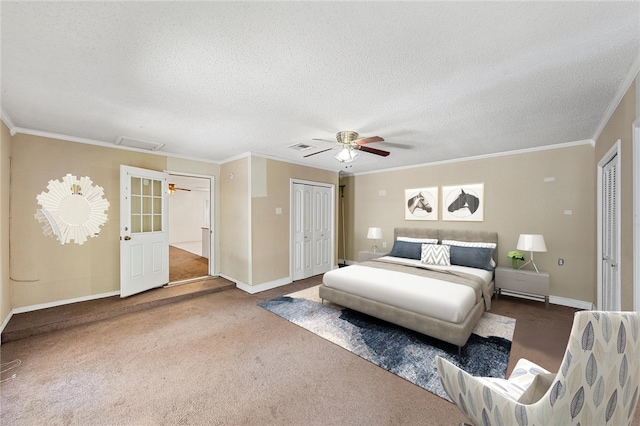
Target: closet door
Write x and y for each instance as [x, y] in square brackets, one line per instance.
[610, 204]
[312, 238]
[321, 229]
[302, 231]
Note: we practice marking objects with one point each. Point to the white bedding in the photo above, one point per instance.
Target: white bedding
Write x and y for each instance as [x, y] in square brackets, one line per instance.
[438, 299]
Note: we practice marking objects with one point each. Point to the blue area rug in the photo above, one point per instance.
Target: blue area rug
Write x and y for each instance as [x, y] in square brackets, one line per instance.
[403, 352]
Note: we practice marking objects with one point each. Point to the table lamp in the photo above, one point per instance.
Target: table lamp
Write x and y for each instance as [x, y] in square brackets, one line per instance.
[374, 234]
[531, 243]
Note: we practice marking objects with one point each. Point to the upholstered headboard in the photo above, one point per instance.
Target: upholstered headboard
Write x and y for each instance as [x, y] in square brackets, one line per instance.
[450, 234]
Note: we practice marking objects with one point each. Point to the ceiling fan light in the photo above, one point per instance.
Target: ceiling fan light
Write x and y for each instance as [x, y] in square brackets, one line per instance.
[346, 155]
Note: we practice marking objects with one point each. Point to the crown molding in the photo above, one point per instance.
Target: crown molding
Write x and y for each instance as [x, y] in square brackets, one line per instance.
[95, 142]
[9, 123]
[485, 156]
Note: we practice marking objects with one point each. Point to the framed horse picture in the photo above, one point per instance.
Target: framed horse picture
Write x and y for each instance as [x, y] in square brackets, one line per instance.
[421, 204]
[463, 202]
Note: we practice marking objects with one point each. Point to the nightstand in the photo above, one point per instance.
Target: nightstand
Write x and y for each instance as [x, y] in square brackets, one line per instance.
[368, 255]
[522, 281]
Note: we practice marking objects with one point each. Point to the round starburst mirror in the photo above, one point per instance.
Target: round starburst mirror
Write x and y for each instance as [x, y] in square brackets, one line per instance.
[72, 209]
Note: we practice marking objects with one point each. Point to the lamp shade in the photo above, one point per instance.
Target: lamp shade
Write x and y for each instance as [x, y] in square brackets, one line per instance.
[374, 234]
[531, 242]
[346, 155]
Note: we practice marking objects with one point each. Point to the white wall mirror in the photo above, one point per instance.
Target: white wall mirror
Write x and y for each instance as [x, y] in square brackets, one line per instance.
[72, 209]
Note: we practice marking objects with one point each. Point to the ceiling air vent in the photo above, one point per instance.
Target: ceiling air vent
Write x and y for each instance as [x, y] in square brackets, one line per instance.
[139, 144]
[300, 146]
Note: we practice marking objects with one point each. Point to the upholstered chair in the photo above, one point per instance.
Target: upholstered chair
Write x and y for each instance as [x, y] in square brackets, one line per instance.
[597, 383]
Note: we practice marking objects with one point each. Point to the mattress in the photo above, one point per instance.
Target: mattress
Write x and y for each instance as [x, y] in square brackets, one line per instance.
[443, 300]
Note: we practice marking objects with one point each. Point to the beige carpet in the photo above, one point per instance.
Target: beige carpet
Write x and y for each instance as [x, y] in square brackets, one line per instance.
[221, 359]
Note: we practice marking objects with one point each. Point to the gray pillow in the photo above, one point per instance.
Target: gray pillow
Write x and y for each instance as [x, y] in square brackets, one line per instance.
[473, 257]
[406, 250]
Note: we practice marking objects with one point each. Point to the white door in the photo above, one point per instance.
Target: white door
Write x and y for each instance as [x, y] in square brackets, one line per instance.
[610, 289]
[302, 235]
[312, 230]
[321, 229]
[144, 237]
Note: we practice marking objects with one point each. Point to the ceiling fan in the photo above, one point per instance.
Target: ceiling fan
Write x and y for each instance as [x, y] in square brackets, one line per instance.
[349, 145]
[173, 189]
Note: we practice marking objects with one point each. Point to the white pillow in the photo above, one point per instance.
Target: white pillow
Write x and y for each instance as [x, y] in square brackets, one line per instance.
[468, 244]
[418, 240]
[436, 255]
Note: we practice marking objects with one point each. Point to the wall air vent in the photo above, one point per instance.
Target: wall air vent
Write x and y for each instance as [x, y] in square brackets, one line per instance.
[139, 144]
[300, 146]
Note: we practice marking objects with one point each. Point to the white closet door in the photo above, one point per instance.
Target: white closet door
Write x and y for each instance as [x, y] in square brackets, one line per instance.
[610, 204]
[321, 229]
[302, 235]
[311, 234]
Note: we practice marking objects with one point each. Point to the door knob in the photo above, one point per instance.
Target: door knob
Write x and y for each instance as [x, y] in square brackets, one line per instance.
[127, 238]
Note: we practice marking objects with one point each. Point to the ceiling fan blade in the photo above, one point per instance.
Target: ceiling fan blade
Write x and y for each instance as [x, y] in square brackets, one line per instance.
[368, 140]
[324, 150]
[374, 151]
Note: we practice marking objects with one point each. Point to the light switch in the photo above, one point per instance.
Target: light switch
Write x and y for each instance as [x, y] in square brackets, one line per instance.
[278, 210]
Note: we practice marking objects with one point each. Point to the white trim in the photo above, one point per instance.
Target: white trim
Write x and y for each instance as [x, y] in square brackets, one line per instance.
[212, 229]
[614, 151]
[300, 163]
[105, 144]
[250, 220]
[555, 300]
[253, 289]
[572, 303]
[622, 90]
[484, 156]
[636, 214]
[63, 302]
[236, 157]
[9, 122]
[4, 324]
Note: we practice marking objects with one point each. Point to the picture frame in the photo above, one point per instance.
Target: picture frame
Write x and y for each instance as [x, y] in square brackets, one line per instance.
[463, 202]
[421, 203]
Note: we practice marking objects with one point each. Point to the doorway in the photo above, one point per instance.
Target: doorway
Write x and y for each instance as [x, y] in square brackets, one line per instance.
[190, 230]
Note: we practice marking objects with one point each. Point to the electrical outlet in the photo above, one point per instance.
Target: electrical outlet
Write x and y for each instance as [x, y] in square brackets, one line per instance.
[560, 262]
[384, 244]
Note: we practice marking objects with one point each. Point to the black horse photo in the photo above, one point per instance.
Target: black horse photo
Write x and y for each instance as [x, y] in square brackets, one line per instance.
[464, 200]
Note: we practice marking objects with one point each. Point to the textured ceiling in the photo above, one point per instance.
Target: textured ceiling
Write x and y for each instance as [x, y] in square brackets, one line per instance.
[212, 80]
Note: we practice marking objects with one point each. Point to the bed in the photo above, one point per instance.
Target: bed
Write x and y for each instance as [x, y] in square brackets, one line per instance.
[445, 302]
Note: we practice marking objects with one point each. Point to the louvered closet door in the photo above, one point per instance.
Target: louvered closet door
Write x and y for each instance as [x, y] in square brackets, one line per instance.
[610, 205]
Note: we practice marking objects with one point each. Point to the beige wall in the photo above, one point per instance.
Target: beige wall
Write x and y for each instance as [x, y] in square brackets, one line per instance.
[235, 205]
[42, 269]
[517, 200]
[270, 232]
[5, 285]
[620, 127]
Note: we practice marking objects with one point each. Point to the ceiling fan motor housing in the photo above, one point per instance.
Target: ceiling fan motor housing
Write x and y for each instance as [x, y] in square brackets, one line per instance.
[346, 137]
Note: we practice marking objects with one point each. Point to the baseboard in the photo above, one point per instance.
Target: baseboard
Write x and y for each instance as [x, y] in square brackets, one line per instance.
[4, 324]
[556, 300]
[63, 302]
[252, 289]
[572, 303]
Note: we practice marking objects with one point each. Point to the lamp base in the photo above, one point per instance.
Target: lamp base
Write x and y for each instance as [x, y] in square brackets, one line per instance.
[374, 249]
[531, 262]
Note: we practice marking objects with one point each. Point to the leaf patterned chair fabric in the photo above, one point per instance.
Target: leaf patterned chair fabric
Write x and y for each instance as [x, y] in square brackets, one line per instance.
[597, 383]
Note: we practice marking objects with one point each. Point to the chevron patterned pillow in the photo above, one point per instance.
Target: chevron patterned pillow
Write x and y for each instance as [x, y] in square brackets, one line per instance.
[436, 255]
